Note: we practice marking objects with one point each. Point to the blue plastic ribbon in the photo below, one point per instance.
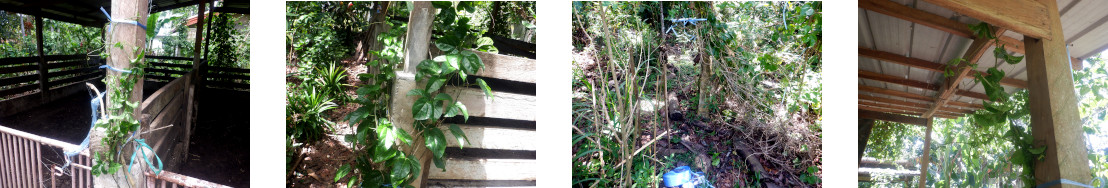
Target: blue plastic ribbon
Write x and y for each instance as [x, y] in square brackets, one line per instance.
[95, 103]
[132, 22]
[1062, 181]
[138, 149]
[114, 69]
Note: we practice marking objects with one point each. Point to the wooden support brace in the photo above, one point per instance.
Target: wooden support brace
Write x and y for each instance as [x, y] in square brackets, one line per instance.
[947, 91]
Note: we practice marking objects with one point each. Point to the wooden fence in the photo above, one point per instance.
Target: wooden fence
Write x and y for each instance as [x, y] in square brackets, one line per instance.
[163, 69]
[27, 82]
[501, 149]
[164, 113]
[23, 165]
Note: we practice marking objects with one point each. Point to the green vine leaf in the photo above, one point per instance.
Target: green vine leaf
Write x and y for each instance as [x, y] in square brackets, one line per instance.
[485, 86]
[458, 134]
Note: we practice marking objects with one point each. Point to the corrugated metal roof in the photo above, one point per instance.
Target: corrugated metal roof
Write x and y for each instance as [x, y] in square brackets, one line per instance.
[1084, 22]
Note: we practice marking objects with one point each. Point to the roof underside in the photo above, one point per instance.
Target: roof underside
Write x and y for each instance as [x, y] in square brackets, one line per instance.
[87, 12]
[1082, 22]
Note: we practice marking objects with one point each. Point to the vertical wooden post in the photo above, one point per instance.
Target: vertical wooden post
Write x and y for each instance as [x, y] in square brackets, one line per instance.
[419, 40]
[43, 86]
[865, 128]
[132, 38]
[1055, 121]
[193, 77]
[925, 160]
[419, 34]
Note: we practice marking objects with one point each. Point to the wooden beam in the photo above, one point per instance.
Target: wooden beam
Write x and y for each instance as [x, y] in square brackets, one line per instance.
[913, 108]
[926, 65]
[892, 101]
[905, 110]
[974, 53]
[914, 83]
[865, 128]
[868, 114]
[914, 96]
[896, 80]
[1026, 17]
[926, 158]
[878, 90]
[921, 17]
[915, 113]
[1055, 120]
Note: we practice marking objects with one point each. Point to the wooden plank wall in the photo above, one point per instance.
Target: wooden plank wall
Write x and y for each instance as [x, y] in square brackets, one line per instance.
[163, 113]
[501, 150]
[65, 74]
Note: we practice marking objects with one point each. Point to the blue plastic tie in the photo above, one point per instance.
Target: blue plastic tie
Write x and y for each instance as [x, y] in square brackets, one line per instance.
[1062, 181]
[115, 69]
[138, 149]
[132, 22]
[84, 144]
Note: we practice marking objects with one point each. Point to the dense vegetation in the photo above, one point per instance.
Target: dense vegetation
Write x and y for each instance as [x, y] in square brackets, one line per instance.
[729, 88]
[342, 67]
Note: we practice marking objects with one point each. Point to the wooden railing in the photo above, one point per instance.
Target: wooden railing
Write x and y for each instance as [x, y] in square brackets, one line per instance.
[165, 69]
[27, 83]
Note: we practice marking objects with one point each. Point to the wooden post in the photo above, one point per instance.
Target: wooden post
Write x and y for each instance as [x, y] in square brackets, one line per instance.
[865, 128]
[925, 160]
[190, 83]
[131, 39]
[1055, 121]
[43, 85]
[419, 40]
[419, 34]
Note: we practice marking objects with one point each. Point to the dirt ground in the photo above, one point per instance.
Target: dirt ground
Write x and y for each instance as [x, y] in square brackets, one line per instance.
[219, 151]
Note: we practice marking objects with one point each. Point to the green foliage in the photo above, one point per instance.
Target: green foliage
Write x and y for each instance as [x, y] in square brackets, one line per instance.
[305, 113]
[177, 42]
[233, 50]
[887, 140]
[312, 38]
[809, 176]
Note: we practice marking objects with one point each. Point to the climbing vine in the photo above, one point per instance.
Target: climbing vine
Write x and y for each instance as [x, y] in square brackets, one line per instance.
[119, 124]
[383, 161]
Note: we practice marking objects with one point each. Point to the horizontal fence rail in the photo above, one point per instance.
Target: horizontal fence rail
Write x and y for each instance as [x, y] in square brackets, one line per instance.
[165, 69]
[27, 82]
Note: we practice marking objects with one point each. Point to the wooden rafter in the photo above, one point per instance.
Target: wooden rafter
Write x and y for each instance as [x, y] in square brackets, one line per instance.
[863, 99]
[941, 23]
[906, 110]
[903, 112]
[1027, 17]
[926, 65]
[870, 114]
[950, 87]
[915, 83]
[914, 96]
